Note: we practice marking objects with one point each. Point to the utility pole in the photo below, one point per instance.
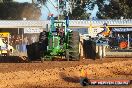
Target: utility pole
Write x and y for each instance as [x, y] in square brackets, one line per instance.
[58, 9]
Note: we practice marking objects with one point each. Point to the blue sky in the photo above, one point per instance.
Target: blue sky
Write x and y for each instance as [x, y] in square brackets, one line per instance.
[45, 11]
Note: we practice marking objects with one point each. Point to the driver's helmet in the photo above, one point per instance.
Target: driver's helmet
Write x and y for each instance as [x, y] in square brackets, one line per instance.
[105, 24]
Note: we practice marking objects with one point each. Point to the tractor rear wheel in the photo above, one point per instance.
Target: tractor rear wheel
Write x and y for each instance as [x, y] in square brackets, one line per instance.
[43, 40]
[74, 45]
[36, 50]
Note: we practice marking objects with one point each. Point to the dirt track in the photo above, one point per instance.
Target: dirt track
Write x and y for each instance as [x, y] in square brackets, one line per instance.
[63, 73]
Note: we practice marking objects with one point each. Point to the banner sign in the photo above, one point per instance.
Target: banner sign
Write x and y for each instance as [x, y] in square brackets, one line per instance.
[32, 30]
[121, 29]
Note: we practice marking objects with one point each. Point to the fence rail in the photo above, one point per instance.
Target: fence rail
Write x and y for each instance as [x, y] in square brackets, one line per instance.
[73, 23]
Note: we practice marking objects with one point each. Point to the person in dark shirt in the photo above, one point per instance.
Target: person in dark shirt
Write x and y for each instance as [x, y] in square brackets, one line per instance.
[57, 30]
[61, 34]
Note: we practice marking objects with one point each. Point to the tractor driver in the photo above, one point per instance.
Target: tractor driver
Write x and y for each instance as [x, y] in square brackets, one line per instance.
[57, 30]
[61, 33]
[105, 33]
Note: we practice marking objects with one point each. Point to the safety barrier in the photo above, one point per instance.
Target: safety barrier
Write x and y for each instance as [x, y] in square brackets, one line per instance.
[42, 24]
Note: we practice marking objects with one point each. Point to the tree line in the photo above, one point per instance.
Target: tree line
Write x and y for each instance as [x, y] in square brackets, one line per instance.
[107, 9]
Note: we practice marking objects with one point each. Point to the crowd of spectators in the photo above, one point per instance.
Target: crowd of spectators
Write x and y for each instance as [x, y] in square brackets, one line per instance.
[18, 40]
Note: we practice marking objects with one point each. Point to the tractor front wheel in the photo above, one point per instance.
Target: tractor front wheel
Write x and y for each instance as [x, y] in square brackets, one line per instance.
[73, 46]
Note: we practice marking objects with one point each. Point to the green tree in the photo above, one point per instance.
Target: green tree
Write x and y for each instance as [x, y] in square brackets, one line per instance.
[5, 1]
[79, 10]
[17, 11]
[39, 3]
[115, 9]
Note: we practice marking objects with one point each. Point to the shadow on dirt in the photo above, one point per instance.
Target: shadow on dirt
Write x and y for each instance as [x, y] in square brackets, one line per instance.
[12, 59]
[66, 78]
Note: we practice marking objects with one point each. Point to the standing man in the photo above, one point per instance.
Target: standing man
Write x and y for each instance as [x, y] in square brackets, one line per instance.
[61, 35]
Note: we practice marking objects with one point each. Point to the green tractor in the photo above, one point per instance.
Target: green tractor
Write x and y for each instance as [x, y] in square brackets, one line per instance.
[58, 41]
